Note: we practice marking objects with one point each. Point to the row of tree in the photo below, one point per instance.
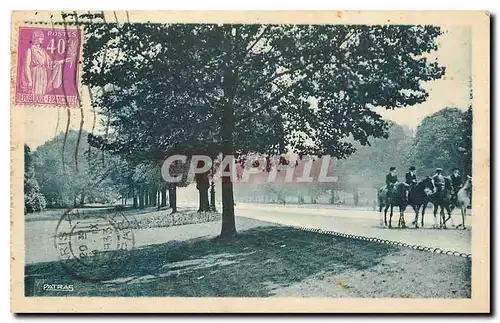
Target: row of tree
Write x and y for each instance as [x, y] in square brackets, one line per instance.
[442, 140]
[53, 180]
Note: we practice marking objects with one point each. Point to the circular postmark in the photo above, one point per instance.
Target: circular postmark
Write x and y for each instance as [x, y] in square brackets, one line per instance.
[94, 247]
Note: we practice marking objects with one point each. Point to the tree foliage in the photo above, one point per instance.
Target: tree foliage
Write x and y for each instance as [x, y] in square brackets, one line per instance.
[444, 140]
[367, 167]
[466, 142]
[62, 184]
[34, 201]
[252, 88]
[170, 76]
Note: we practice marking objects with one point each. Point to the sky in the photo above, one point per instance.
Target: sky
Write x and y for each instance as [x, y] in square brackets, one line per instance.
[452, 90]
[454, 52]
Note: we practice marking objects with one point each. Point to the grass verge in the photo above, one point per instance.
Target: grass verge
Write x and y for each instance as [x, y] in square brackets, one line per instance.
[269, 260]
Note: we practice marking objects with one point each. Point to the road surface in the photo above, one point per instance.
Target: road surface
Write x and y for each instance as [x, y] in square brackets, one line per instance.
[363, 222]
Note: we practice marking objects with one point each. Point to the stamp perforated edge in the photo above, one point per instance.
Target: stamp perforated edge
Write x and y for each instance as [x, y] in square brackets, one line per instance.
[14, 64]
[479, 20]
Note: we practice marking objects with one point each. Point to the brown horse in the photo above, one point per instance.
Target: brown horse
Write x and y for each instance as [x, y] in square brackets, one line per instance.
[441, 199]
[394, 196]
[418, 196]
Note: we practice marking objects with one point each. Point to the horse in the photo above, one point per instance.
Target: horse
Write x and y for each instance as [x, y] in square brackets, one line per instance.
[463, 199]
[418, 196]
[441, 199]
[381, 198]
[396, 196]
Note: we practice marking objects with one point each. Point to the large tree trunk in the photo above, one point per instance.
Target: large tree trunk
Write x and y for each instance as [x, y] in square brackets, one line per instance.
[228, 223]
[134, 205]
[141, 197]
[153, 197]
[212, 197]
[172, 197]
[332, 196]
[202, 184]
[204, 202]
[229, 85]
[163, 197]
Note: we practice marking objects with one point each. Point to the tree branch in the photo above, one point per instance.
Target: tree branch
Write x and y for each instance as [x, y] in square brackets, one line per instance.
[256, 41]
[269, 102]
[302, 66]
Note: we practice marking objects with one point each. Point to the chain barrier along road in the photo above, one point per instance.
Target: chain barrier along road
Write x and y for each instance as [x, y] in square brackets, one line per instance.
[365, 225]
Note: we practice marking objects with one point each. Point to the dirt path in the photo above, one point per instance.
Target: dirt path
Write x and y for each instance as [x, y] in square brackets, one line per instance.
[361, 222]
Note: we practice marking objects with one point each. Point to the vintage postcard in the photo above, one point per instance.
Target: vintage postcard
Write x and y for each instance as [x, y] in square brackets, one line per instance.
[250, 161]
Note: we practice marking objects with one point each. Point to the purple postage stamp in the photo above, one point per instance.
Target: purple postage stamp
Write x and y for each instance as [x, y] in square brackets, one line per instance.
[47, 66]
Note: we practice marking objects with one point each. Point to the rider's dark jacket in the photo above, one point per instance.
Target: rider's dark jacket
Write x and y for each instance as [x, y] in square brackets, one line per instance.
[410, 178]
[456, 181]
[390, 179]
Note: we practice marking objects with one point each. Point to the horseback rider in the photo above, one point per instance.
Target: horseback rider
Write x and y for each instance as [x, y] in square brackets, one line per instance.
[438, 179]
[456, 180]
[391, 178]
[411, 177]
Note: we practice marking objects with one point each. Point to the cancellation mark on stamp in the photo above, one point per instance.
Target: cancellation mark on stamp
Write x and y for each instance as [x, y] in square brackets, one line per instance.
[93, 248]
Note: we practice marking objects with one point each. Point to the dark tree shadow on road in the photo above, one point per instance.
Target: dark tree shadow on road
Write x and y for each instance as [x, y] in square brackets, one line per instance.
[250, 265]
